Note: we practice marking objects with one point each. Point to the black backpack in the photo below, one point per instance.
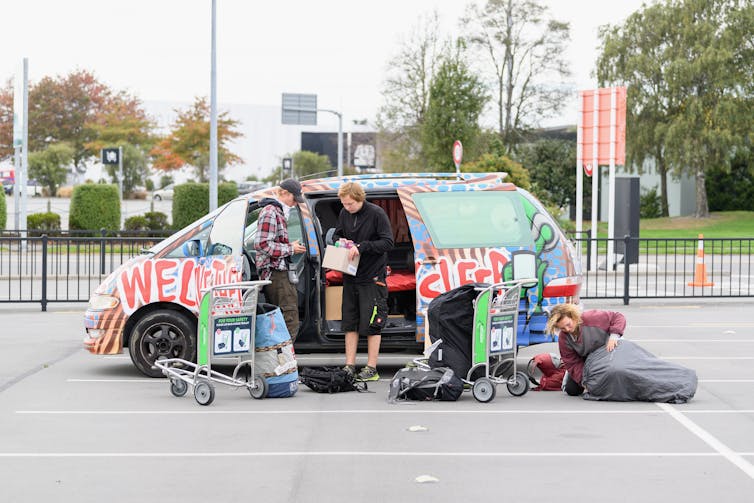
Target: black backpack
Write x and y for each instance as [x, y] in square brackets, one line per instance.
[425, 384]
[330, 380]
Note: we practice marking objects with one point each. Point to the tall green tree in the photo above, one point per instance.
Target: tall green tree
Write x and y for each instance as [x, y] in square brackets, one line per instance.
[405, 95]
[524, 52]
[689, 69]
[550, 164]
[50, 166]
[135, 167]
[456, 100]
[6, 119]
[188, 142]
[63, 109]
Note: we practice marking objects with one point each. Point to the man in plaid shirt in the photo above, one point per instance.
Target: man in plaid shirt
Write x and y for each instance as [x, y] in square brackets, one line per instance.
[274, 251]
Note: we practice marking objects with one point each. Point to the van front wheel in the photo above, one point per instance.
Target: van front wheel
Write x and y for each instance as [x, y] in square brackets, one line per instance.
[162, 334]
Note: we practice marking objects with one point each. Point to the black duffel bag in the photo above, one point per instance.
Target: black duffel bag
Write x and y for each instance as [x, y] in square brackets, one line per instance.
[425, 384]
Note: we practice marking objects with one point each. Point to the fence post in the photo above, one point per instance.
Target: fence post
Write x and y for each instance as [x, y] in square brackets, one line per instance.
[626, 270]
[44, 272]
[102, 252]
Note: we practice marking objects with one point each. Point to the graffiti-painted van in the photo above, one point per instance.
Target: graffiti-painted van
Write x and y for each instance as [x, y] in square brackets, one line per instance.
[448, 231]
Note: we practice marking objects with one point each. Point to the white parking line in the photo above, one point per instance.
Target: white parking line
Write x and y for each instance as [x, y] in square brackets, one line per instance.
[707, 357]
[156, 381]
[404, 454]
[710, 440]
[690, 340]
[370, 411]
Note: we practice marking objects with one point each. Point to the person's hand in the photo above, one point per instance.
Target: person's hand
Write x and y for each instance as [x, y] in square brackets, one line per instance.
[298, 247]
[612, 344]
[353, 252]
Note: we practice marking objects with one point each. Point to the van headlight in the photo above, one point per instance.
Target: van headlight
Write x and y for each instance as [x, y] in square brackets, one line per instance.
[99, 302]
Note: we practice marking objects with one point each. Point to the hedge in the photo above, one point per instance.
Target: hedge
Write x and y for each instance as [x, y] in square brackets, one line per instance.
[45, 222]
[3, 211]
[94, 206]
[191, 201]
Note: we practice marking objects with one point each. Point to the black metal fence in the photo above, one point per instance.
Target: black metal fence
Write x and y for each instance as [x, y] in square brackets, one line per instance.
[68, 268]
[637, 268]
[44, 269]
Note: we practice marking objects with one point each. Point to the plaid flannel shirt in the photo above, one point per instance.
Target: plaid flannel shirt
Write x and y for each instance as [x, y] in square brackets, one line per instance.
[271, 241]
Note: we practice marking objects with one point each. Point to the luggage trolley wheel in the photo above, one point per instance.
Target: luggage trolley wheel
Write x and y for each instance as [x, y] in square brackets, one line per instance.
[178, 387]
[520, 386]
[260, 389]
[204, 392]
[483, 389]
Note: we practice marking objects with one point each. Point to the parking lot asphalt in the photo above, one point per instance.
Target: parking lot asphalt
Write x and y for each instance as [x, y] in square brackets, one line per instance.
[79, 427]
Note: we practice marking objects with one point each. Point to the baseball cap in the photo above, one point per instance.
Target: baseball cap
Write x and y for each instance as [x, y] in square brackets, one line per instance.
[294, 188]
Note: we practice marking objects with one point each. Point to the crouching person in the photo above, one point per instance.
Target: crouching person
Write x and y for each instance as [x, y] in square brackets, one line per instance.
[580, 334]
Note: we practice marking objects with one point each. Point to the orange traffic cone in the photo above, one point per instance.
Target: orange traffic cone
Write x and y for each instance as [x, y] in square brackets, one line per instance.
[700, 270]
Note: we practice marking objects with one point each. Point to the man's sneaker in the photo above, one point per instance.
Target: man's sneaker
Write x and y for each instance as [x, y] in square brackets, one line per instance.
[351, 369]
[368, 374]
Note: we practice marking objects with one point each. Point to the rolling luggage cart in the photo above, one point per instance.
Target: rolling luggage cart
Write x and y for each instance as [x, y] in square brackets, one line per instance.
[494, 347]
[227, 316]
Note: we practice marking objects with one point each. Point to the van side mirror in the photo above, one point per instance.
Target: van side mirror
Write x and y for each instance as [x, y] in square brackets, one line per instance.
[192, 248]
[524, 266]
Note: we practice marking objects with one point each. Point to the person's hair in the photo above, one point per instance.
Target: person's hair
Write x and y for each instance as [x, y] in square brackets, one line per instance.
[354, 190]
[562, 311]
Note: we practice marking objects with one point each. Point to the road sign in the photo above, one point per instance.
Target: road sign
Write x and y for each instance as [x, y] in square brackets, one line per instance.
[457, 154]
[300, 109]
[110, 156]
[588, 169]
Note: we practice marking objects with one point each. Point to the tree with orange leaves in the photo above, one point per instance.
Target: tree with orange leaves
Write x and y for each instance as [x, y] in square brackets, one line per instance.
[188, 142]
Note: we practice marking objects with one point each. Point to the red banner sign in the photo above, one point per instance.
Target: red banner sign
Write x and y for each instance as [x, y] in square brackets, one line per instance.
[602, 125]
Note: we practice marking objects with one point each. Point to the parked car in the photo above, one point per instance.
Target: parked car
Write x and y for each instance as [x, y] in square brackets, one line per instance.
[447, 231]
[247, 187]
[164, 193]
[33, 188]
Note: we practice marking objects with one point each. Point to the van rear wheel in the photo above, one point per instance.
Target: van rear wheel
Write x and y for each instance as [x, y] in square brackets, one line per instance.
[162, 334]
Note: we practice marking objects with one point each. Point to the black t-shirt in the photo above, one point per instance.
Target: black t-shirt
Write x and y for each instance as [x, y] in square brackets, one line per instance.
[370, 229]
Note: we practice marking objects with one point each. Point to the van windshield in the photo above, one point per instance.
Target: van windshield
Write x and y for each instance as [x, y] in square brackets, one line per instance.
[474, 219]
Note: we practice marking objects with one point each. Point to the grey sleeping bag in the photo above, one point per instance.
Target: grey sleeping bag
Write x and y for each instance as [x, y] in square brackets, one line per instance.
[631, 373]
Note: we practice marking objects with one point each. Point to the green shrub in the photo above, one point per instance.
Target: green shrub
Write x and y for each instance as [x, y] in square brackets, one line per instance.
[3, 211]
[156, 220]
[191, 201]
[94, 207]
[44, 222]
[135, 223]
[650, 204]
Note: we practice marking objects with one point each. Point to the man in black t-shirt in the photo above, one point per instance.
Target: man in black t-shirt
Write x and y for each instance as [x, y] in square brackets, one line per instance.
[364, 229]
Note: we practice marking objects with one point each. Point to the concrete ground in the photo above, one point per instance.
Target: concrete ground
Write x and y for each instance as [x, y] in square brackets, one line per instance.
[78, 427]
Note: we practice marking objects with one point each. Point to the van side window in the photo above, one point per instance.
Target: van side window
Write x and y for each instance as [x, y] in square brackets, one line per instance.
[469, 219]
[195, 246]
[227, 231]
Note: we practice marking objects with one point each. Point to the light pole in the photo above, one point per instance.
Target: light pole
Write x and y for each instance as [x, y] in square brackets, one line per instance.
[340, 138]
[213, 116]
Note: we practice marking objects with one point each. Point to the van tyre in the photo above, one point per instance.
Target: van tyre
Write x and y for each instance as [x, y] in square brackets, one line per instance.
[162, 334]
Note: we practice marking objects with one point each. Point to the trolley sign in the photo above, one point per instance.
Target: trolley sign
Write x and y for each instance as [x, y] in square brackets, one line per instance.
[502, 327]
[232, 335]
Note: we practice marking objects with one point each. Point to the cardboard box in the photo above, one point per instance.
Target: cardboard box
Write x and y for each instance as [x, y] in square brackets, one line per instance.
[333, 302]
[336, 258]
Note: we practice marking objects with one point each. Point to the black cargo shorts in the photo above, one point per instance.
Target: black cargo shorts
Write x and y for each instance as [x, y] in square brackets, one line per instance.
[364, 307]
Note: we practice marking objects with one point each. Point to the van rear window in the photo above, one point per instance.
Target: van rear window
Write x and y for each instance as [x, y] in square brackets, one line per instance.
[472, 219]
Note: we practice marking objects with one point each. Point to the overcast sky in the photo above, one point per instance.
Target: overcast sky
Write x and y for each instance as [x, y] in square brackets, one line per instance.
[159, 50]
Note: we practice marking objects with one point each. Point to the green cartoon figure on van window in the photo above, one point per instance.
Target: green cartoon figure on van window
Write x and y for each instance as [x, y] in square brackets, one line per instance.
[545, 239]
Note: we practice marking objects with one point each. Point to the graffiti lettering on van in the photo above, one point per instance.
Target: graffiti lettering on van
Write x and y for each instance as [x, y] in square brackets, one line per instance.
[173, 280]
[447, 274]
